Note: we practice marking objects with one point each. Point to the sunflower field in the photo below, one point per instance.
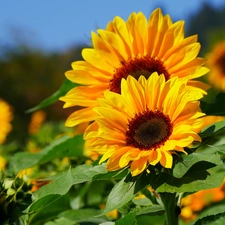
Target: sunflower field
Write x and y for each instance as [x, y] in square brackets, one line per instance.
[132, 135]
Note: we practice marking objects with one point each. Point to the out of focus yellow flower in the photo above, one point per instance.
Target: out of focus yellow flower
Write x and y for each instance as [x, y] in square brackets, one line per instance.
[37, 120]
[112, 215]
[36, 184]
[32, 147]
[216, 64]
[192, 204]
[139, 196]
[5, 119]
[25, 174]
[3, 163]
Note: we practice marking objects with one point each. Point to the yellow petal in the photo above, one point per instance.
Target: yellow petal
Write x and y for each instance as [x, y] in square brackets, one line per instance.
[80, 116]
[95, 59]
[115, 42]
[138, 166]
[166, 159]
[154, 157]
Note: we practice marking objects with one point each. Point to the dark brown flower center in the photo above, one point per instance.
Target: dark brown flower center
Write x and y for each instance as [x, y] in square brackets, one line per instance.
[136, 67]
[148, 130]
[221, 63]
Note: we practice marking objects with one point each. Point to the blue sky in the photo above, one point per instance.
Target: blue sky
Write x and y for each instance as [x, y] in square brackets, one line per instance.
[56, 25]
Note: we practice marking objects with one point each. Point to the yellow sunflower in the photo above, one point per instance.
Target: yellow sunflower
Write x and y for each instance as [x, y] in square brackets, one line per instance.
[138, 46]
[5, 119]
[216, 63]
[145, 124]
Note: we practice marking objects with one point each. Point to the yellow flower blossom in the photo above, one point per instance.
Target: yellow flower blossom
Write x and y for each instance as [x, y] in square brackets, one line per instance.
[216, 63]
[144, 125]
[138, 46]
[5, 119]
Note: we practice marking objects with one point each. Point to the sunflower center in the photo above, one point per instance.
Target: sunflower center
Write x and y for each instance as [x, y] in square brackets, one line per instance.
[221, 63]
[136, 67]
[148, 130]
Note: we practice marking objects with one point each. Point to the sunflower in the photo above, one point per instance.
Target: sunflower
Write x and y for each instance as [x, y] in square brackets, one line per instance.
[216, 63]
[144, 125]
[5, 119]
[138, 46]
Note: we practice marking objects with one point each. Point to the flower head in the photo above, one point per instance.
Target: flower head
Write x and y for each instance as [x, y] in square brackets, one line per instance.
[37, 119]
[135, 47]
[144, 125]
[5, 119]
[216, 63]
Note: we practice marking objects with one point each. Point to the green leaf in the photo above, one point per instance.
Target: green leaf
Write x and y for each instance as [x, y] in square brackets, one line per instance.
[218, 148]
[107, 223]
[213, 210]
[218, 219]
[195, 162]
[63, 181]
[151, 220]
[116, 175]
[76, 172]
[81, 175]
[60, 221]
[58, 187]
[51, 192]
[64, 88]
[212, 129]
[198, 175]
[142, 201]
[48, 208]
[62, 147]
[40, 204]
[150, 210]
[123, 192]
[83, 215]
[190, 182]
[127, 219]
[217, 107]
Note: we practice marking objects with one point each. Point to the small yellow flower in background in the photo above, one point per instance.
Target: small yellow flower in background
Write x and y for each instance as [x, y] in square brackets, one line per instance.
[25, 174]
[145, 124]
[216, 63]
[37, 120]
[140, 195]
[3, 163]
[194, 203]
[112, 215]
[36, 184]
[5, 119]
[136, 47]
[33, 147]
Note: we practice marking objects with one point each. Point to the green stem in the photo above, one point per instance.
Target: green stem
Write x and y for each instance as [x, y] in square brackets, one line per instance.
[169, 201]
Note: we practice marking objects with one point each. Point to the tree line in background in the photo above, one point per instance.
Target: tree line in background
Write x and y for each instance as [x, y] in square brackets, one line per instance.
[29, 75]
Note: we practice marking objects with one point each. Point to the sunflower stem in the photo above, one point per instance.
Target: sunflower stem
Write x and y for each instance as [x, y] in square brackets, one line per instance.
[169, 201]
